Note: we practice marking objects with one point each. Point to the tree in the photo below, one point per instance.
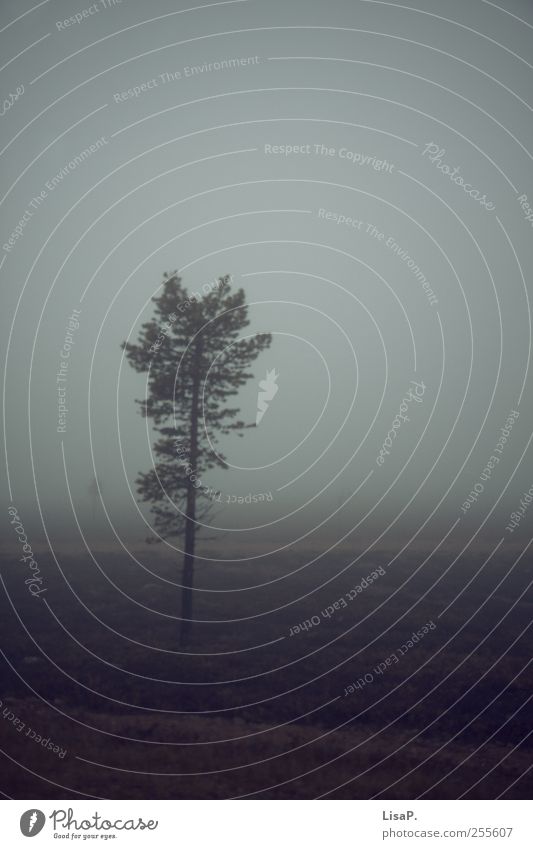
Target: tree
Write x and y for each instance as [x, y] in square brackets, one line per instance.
[195, 361]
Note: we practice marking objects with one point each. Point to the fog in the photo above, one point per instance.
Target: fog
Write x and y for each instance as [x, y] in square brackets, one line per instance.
[353, 621]
[309, 180]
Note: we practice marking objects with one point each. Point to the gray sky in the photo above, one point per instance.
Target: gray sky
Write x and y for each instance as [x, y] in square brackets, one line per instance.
[368, 263]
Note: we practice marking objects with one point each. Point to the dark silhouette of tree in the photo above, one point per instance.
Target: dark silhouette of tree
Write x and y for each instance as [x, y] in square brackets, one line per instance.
[195, 361]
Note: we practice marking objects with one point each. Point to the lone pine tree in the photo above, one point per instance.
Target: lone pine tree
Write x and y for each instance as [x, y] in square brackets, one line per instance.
[196, 359]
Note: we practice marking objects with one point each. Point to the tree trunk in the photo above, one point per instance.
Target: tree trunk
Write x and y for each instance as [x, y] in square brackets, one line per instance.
[190, 519]
[187, 574]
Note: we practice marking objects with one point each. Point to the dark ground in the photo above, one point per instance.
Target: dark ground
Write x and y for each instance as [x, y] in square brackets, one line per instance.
[451, 718]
